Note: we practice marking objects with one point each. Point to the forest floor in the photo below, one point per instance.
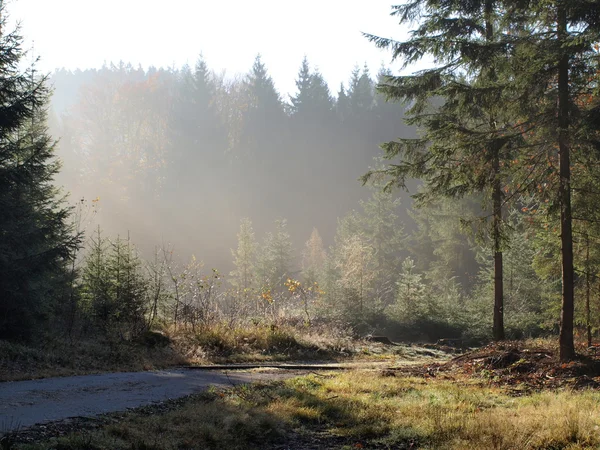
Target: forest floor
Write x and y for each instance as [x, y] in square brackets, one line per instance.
[52, 357]
[514, 395]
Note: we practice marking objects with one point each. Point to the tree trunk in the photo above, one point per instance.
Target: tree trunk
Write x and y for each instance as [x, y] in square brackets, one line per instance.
[498, 260]
[498, 328]
[588, 289]
[567, 347]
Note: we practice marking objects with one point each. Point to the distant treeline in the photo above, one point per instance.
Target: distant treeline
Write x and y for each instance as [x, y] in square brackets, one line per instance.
[181, 155]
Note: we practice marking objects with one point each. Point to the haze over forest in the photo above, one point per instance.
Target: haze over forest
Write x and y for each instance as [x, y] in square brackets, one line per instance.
[203, 141]
[181, 155]
[193, 183]
[137, 76]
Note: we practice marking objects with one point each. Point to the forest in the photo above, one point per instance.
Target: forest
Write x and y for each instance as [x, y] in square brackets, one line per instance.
[190, 258]
[134, 225]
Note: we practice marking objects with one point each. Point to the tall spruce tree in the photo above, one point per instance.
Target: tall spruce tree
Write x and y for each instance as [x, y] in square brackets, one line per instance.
[264, 133]
[243, 278]
[457, 104]
[36, 241]
[536, 62]
[557, 107]
[303, 85]
[361, 93]
[198, 133]
[312, 105]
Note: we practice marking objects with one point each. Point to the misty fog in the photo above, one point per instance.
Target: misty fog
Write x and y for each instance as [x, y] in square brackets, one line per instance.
[175, 163]
[179, 156]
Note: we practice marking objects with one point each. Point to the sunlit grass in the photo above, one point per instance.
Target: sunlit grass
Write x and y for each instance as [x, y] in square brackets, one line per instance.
[363, 409]
[216, 343]
[223, 343]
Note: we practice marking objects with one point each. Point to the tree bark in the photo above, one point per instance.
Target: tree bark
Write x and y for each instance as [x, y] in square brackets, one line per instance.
[498, 327]
[588, 289]
[567, 347]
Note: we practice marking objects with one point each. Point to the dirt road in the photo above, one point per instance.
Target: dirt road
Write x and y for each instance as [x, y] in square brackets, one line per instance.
[26, 403]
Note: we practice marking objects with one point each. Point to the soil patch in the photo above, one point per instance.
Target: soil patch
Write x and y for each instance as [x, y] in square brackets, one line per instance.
[518, 365]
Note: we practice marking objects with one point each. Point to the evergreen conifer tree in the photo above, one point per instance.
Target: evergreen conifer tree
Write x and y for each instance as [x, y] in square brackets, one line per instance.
[313, 261]
[342, 104]
[128, 287]
[244, 258]
[264, 98]
[36, 242]
[303, 83]
[361, 92]
[465, 143]
[312, 105]
[275, 258]
[523, 76]
[556, 105]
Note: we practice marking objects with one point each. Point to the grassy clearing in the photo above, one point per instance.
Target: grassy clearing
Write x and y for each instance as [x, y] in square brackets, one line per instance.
[225, 344]
[216, 344]
[358, 410]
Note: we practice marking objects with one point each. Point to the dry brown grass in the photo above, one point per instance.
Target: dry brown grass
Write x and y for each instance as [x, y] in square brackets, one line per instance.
[61, 358]
[360, 410]
[218, 343]
[221, 343]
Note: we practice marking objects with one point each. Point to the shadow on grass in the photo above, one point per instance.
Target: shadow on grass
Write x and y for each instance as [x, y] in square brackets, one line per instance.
[275, 415]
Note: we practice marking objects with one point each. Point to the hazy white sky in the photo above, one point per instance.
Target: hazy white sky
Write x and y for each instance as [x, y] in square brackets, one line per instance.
[86, 33]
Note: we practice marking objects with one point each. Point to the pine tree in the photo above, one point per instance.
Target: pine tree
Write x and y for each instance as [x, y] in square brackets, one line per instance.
[36, 241]
[556, 104]
[465, 141]
[275, 258]
[244, 258]
[313, 261]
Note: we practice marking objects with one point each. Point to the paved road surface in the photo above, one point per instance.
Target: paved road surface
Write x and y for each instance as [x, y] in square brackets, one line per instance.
[26, 403]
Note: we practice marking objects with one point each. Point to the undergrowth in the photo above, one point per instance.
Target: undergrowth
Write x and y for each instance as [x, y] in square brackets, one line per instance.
[223, 343]
[218, 343]
[62, 358]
